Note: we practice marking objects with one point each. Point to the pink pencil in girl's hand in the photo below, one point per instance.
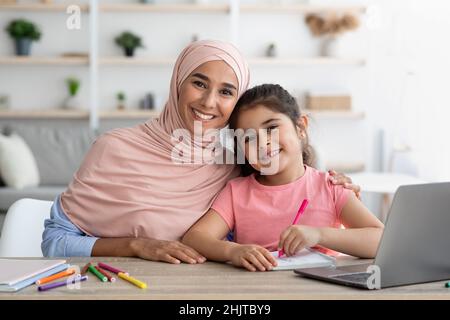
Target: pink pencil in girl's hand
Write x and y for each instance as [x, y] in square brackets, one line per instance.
[299, 213]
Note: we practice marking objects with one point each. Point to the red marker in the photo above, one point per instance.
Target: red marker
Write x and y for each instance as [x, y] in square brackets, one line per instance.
[297, 217]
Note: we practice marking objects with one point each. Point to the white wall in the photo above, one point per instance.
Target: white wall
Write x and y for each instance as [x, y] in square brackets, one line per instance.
[408, 81]
[165, 35]
[402, 87]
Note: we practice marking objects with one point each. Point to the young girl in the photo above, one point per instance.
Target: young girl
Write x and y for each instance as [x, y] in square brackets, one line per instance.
[260, 208]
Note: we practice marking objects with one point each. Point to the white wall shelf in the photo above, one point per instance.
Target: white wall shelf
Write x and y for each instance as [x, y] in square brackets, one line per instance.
[225, 8]
[95, 8]
[41, 7]
[331, 114]
[137, 114]
[44, 114]
[50, 61]
[298, 8]
[76, 114]
[151, 61]
[165, 8]
[128, 114]
[136, 61]
[305, 61]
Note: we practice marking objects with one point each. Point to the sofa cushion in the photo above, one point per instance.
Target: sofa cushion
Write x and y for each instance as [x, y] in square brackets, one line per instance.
[10, 195]
[58, 150]
[17, 164]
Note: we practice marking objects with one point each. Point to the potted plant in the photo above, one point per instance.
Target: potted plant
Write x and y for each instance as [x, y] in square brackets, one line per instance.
[330, 27]
[73, 85]
[23, 32]
[129, 42]
[120, 100]
[271, 50]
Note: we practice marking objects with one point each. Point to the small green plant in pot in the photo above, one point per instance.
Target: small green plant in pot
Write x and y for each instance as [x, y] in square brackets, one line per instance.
[23, 32]
[129, 42]
[73, 86]
[121, 97]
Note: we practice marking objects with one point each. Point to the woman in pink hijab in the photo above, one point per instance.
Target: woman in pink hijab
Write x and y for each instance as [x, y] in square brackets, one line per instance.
[130, 196]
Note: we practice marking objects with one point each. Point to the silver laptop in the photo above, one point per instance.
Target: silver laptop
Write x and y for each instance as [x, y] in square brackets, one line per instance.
[414, 248]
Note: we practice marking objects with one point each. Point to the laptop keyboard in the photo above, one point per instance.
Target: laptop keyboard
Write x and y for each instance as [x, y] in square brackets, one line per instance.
[359, 277]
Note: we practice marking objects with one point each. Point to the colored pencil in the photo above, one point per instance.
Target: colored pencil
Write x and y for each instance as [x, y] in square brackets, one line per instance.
[61, 283]
[106, 274]
[134, 281]
[110, 268]
[55, 276]
[97, 274]
[85, 268]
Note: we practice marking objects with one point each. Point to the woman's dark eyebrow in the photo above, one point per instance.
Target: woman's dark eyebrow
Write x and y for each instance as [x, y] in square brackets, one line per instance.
[203, 77]
[229, 85]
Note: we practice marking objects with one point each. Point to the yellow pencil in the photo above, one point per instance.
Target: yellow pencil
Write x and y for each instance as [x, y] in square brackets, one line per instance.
[134, 281]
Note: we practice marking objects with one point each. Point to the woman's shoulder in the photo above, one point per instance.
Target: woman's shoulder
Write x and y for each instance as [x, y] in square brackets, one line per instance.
[117, 135]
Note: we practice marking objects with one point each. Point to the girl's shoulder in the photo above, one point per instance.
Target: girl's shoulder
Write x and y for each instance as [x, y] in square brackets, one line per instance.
[316, 174]
[320, 178]
[239, 182]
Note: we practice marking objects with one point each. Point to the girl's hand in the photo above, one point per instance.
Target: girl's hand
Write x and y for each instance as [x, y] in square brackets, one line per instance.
[340, 178]
[167, 251]
[297, 237]
[252, 257]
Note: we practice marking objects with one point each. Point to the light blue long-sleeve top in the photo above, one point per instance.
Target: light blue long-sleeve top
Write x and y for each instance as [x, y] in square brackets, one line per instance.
[61, 238]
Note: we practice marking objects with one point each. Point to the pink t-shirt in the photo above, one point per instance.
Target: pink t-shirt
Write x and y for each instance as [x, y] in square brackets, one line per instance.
[258, 213]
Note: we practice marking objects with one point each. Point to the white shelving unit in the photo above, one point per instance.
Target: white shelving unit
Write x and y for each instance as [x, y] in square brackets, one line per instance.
[165, 8]
[41, 7]
[45, 61]
[298, 8]
[94, 9]
[351, 115]
[76, 114]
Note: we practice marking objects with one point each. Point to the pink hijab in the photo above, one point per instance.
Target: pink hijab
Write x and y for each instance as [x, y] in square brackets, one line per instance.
[128, 185]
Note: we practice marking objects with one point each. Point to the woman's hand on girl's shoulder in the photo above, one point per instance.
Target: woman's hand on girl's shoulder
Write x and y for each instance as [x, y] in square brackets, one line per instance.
[252, 258]
[166, 251]
[346, 182]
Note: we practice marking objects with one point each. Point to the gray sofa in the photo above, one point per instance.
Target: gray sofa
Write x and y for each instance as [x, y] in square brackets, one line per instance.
[58, 151]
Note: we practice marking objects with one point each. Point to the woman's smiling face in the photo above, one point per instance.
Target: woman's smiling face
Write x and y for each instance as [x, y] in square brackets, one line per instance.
[208, 95]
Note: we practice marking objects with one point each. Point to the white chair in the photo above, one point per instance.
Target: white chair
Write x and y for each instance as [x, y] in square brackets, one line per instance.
[22, 229]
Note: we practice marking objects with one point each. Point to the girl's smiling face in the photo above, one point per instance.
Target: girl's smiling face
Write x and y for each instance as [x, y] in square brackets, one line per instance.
[208, 95]
[277, 140]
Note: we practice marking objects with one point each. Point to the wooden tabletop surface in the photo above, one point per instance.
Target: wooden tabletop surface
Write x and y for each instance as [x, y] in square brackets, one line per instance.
[219, 281]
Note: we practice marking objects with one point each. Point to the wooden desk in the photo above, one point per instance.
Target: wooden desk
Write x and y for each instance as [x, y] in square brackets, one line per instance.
[219, 281]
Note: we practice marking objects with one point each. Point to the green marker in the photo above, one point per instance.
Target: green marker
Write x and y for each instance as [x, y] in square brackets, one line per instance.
[447, 284]
[97, 274]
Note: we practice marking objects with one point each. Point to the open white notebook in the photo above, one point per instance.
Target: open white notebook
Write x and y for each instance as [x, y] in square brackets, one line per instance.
[306, 258]
[16, 274]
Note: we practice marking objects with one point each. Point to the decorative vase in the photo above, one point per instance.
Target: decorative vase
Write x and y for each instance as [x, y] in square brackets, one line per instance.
[329, 46]
[71, 102]
[129, 52]
[121, 105]
[23, 46]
